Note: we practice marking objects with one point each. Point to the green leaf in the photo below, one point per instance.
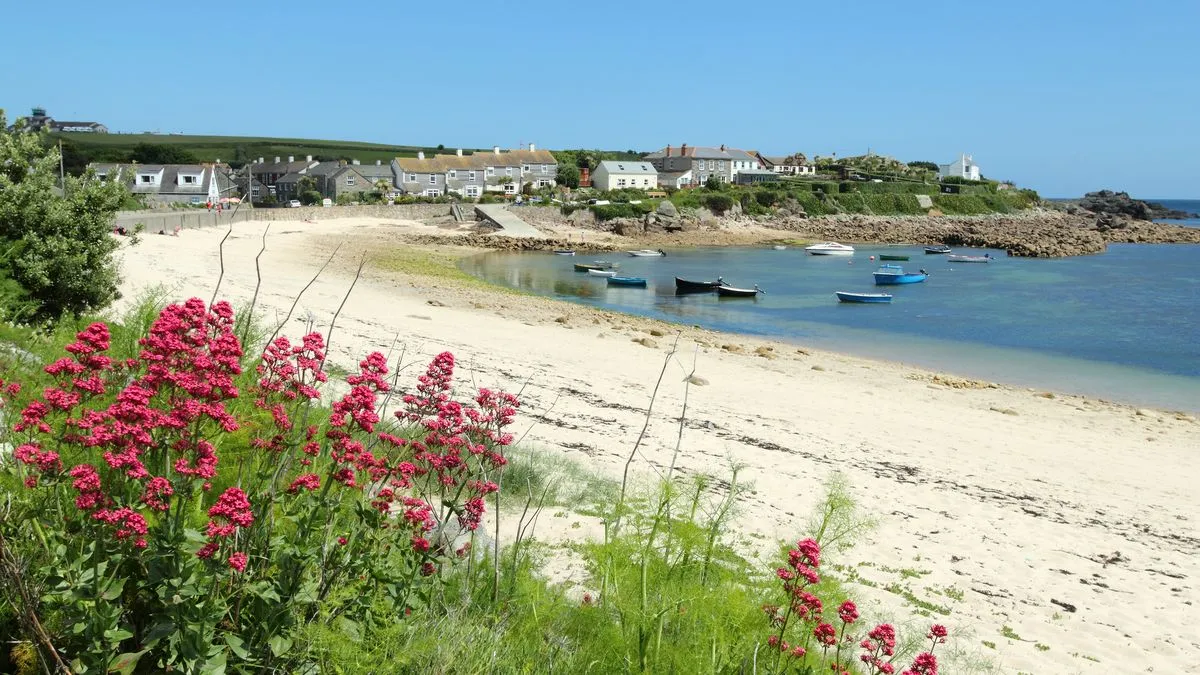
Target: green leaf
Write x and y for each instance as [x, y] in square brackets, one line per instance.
[350, 628]
[125, 663]
[214, 666]
[264, 590]
[115, 635]
[114, 589]
[238, 646]
[280, 645]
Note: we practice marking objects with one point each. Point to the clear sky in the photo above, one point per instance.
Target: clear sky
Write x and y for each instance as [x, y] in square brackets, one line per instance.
[1062, 96]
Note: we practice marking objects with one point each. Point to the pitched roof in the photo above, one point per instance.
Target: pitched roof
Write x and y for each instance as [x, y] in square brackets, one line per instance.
[478, 160]
[700, 152]
[630, 167]
[374, 171]
[282, 167]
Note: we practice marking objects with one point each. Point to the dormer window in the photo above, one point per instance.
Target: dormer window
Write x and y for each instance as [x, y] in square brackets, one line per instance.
[146, 179]
[189, 180]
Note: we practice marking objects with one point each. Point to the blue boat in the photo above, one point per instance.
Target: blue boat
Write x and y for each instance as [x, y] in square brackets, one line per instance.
[892, 275]
[627, 281]
[843, 296]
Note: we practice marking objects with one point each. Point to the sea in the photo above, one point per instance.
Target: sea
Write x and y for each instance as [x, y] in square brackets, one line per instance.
[1122, 326]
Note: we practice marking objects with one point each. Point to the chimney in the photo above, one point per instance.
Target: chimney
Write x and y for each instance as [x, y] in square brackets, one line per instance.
[585, 177]
[532, 147]
[379, 162]
[495, 149]
[459, 152]
[291, 158]
[668, 151]
[420, 154]
[722, 147]
[355, 162]
[308, 158]
[683, 150]
[277, 159]
[260, 160]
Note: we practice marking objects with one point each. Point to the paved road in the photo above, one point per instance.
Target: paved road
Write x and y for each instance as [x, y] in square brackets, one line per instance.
[510, 224]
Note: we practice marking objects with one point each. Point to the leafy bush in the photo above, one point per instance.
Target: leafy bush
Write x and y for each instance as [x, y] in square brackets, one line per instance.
[963, 205]
[718, 203]
[611, 211]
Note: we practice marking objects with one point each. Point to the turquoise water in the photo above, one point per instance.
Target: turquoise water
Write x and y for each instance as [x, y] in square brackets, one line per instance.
[1123, 325]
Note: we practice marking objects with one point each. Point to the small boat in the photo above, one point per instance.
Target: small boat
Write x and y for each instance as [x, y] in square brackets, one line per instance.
[830, 248]
[843, 296]
[893, 275]
[986, 257]
[594, 265]
[627, 281]
[564, 252]
[780, 247]
[602, 273]
[731, 292]
[936, 250]
[647, 253]
[685, 286]
[893, 257]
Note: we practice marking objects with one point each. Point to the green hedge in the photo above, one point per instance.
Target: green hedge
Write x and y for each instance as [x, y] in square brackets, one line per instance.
[889, 188]
[611, 211]
[962, 205]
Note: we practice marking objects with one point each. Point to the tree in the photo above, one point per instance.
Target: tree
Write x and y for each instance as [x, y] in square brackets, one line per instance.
[930, 166]
[383, 186]
[568, 175]
[154, 153]
[713, 183]
[306, 191]
[57, 247]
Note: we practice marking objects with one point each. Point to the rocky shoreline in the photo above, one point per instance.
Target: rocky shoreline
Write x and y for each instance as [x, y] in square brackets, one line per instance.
[1038, 233]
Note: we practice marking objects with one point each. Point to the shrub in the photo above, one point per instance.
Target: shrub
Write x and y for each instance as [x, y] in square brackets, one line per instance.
[166, 543]
[718, 203]
[611, 211]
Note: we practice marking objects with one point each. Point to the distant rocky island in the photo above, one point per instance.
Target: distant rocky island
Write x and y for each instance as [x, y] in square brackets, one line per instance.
[1121, 204]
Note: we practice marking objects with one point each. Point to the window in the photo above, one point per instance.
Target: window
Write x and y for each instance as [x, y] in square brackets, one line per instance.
[433, 193]
[253, 192]
[433, 179]
[491, 171]
[508, 170]
[544, 182]
[545, 168]
[525, 168]
[189, 180]
[710, 165]
[510, 188]
[349, 181]
[453, 173]
[620, 182]
[471, 175]
[721, 165]
[472, 190]
[410, 177]
[146, 179]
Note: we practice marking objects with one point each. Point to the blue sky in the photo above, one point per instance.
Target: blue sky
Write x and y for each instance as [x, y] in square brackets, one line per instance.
[1065, 97]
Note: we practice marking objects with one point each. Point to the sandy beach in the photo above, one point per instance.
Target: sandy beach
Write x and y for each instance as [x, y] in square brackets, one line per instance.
[1058, 533]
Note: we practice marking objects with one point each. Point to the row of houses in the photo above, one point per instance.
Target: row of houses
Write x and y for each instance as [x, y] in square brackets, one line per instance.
[468, 176]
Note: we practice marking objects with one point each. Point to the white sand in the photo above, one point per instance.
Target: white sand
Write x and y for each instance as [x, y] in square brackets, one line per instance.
[1006, 498]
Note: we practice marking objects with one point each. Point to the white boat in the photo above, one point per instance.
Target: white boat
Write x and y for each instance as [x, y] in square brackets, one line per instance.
[780, 247]
[830, 248]
[564, 252]
[647, 253]
[602, 273]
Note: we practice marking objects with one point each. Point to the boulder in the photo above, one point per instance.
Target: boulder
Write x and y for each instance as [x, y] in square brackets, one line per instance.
[667, 210]
[628, 227]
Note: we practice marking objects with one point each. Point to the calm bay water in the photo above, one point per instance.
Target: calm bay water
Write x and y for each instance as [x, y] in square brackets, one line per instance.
[1191, 206]
[1123, 325]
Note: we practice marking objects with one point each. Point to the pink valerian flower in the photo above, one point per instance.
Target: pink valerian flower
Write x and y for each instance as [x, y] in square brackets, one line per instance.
[238, 561]
[87, 482]
[231, 511]
[204, 459]
[33, 418]
[848, 612]
[879, 643]
[825, 634]
[341, 541]
[937, 633]
[420, 544]
[924, 664]
[305, 481]
[45, 461]
[129, 524]
[158, 493]
[432, 389]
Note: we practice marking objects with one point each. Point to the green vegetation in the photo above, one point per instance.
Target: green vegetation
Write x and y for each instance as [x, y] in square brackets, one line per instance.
[56, 251]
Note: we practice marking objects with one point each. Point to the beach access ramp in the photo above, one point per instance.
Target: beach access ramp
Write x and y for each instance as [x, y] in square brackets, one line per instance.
[510, 225]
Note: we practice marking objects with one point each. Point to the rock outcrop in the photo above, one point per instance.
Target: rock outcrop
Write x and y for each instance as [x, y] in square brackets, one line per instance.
[1121, 204]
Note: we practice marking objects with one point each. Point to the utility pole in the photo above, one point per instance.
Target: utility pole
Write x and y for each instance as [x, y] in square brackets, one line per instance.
[62, 176]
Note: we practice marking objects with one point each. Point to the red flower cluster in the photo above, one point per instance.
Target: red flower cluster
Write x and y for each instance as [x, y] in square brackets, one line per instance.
[231, 511]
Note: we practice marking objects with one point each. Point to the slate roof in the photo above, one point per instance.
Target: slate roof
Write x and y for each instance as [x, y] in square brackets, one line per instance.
[697, 152]
[628, 167]
[170, 182]
[281, 167]
[479, 160]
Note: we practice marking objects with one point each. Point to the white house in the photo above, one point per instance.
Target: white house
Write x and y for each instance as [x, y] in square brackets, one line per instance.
[963, 167]
[617, 174]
